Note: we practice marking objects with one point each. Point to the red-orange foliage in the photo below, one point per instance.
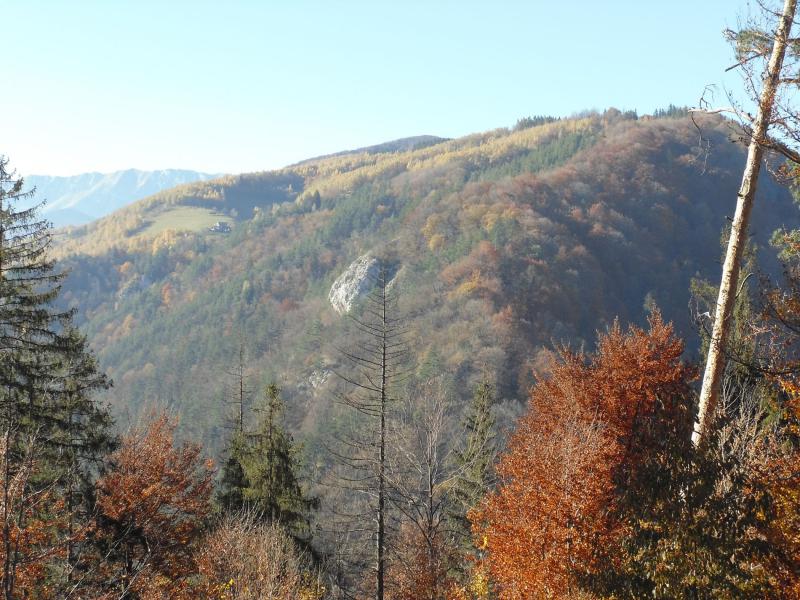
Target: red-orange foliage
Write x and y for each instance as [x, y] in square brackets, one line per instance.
[34, 526]
[779, 475]
[421, 569]
[573, 455]
[780, 478]
[153, 504]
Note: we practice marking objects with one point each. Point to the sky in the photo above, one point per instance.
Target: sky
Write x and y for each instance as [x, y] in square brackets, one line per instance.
[235, 86]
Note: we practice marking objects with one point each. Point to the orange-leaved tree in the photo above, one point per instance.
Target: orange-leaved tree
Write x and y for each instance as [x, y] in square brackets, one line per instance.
[777, 476]
[153, 504]
[575, 456]
[34, 524]
[779, 473]
[423, 566]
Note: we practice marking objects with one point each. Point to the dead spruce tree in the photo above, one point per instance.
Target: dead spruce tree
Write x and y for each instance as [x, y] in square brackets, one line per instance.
[230, 495]
[376, 362]
[768, 57]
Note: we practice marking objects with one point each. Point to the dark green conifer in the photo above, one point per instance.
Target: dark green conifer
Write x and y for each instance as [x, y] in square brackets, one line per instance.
[47, 374]
[474, 460]
[231, 495]
[270, 467]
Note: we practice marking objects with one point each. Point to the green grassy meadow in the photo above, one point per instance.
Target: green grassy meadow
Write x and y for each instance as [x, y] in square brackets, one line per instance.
[185, 218]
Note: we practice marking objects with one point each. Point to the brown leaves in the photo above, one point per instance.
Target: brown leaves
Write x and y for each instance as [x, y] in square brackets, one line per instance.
[153, 503]
[778, 474]
[422, 567]
[247, 560]
[33, 524]
[567, 464]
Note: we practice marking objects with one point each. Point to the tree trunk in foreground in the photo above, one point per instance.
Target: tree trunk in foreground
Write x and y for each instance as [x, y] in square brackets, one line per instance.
[733, 257]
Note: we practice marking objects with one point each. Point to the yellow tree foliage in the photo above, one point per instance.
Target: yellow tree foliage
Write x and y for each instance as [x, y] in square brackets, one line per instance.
[244, 559]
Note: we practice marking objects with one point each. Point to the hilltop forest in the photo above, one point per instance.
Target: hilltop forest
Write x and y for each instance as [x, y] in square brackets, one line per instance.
[512, 241]
[432, 368]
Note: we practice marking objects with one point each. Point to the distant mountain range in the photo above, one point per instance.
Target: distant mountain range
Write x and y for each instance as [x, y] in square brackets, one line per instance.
[79, 199]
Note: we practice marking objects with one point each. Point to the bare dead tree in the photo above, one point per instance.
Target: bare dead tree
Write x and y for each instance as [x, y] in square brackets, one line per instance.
[775, 123]
[238, 391]
[377, 368]
[440, 465]
[231, 494]
[423, 472]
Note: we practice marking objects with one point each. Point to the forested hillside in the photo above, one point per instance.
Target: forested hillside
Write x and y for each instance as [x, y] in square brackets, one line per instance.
[511, 240]
[555, 360]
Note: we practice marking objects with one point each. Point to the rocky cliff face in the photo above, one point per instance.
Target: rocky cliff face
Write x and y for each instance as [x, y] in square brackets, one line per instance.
[356, 281]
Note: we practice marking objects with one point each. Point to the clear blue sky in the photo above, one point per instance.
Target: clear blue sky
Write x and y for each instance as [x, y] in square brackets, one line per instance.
[234, 86]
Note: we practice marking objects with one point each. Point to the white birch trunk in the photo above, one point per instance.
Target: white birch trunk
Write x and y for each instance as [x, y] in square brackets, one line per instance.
[733, 257]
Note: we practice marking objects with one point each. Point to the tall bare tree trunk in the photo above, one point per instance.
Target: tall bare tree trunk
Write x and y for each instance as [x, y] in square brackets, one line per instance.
[376, 370]
[381, 537]
[733, 257]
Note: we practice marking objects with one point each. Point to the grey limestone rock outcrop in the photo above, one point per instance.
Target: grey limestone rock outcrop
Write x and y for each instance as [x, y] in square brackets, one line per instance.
[318, 378]
[356, 281]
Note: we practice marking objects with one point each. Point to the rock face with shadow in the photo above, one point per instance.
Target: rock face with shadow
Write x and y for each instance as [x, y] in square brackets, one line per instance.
[357, 281]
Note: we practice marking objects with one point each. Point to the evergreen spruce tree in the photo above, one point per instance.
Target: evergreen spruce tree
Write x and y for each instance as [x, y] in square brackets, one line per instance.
[47, 375]
[234, 482]
[270, 466]
[474, 459]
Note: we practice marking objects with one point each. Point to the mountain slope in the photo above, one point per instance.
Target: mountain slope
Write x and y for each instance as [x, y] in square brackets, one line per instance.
[506, 242]
[82, 198]
[402, 145]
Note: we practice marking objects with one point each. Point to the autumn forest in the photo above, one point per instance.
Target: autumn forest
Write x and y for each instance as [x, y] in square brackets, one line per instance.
[554, 360]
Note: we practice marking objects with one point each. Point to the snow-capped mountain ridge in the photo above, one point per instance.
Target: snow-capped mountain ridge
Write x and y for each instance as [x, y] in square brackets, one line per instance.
[82, 198]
